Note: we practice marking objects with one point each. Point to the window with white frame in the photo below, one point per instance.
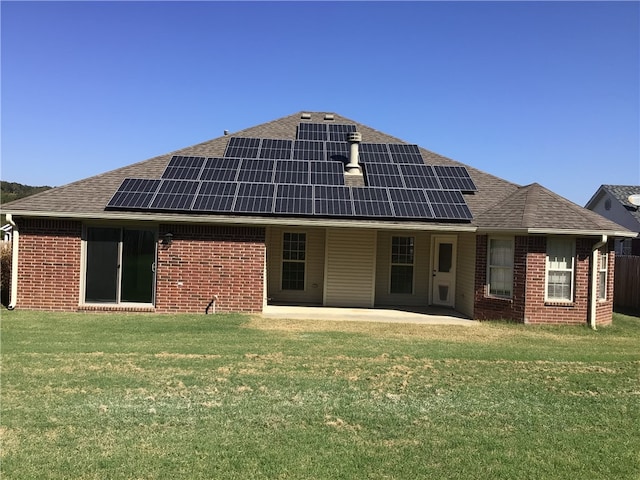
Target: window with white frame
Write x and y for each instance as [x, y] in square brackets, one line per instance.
[560, 269]
[603, 260]
[402, 250]
[294, 247]
[500, 267]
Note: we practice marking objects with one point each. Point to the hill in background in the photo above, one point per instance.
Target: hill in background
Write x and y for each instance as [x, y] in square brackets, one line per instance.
[10, 191]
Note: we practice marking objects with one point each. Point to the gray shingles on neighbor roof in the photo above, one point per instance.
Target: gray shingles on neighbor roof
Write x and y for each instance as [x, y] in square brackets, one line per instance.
[490, 205]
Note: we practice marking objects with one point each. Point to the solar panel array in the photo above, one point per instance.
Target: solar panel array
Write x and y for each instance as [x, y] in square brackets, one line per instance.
[293, 199]
[304, 177]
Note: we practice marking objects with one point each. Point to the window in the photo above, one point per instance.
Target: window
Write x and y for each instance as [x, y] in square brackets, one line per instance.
[626, 247]
[603, 258]
[500, 267]
[401, 265]
[294, 247]
[119, 265]
[560, 265]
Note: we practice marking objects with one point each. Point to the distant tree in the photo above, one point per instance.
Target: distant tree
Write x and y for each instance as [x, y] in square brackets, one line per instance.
[10, 191]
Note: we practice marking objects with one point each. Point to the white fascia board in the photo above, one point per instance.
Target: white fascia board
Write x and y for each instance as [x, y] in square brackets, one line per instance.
[557, 231]
[251, 221]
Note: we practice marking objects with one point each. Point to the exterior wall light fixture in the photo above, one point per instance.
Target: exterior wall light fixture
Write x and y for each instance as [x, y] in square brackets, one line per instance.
[167, 239]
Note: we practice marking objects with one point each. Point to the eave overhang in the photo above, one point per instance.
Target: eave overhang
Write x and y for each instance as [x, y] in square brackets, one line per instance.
[249, 220]
[556, 231]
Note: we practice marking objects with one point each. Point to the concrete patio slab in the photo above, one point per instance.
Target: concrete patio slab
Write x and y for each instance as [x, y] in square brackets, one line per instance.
[427, 316]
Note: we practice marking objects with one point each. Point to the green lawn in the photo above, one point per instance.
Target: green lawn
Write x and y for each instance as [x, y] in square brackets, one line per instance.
[234, 397]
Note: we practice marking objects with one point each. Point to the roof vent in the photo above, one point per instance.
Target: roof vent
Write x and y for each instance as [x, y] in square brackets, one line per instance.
[306, 116]
[353, 167]
[329, 116]
[226, 132]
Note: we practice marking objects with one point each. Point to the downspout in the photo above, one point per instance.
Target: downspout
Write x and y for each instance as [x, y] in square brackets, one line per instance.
[13, 293]
[593, 301]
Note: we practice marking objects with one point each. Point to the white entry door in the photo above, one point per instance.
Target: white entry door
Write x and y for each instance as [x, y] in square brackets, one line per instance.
[443, 275]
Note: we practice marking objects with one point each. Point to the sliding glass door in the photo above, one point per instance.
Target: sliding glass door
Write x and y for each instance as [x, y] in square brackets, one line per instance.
[120, 265]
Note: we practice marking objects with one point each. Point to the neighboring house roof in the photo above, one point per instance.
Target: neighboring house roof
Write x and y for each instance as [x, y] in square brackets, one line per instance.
[621, 194]
[87, 198]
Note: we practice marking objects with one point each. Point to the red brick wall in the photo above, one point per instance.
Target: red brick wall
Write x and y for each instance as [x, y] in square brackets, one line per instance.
[204, 261]
[528, 304]
[49, 264]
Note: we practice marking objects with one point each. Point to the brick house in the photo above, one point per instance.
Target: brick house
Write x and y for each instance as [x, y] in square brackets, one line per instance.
[311, 209]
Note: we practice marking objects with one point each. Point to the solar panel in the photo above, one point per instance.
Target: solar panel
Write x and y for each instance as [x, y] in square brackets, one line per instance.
[294, 199]
[288, 171]
[448, 205]
[338, 151]
[134, 193]
[327, 173]
[312, 131]
[332, 200]
[371, 202]
[215, 197]
[403, 153]
[242, 147]
[419, 176]
[254, 198]
[185, 168]
[339, 132]
[275, 149]
[455, 178]
[410, 203]
[308, 150]
[383, 175]
[175, 195]
[220, 169]
[256, 170]
[374, 152]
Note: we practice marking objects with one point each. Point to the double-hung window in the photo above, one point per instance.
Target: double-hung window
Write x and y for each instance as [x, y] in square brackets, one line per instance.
[603, 258]
[294, 247]
[560, 269]
[402, 252]
[500, 267]
[119, 265]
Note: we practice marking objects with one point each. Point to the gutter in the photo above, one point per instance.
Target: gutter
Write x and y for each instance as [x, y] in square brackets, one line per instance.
[13, 293]
[557, 231]
[254, 221]
[593, 301]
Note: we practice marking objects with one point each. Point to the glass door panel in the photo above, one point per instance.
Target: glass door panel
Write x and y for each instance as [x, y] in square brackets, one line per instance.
[138, 258]
[102, 265]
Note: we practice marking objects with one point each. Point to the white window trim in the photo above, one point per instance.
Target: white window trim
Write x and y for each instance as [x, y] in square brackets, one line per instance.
[603, 269]
[489, 266]
[547, 270]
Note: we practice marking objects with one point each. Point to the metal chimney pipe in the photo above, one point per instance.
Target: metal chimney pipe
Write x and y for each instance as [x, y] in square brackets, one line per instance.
[353, 166]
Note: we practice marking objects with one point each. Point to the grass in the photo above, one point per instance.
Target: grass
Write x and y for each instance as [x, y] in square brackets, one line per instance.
[235, 397]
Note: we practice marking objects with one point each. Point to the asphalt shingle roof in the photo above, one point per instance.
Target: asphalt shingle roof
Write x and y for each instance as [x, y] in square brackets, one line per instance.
[534, 207]
[496, 203]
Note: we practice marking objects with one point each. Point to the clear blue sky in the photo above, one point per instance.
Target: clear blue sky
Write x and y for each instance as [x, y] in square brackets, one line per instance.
[543, 92]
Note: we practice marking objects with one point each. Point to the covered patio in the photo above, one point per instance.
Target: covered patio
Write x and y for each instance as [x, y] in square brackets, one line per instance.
[420, 315]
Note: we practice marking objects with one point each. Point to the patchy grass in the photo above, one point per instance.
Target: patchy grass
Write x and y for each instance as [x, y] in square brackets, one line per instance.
[236, 397]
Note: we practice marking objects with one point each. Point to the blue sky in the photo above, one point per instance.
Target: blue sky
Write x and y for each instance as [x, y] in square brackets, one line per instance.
[543, 92]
